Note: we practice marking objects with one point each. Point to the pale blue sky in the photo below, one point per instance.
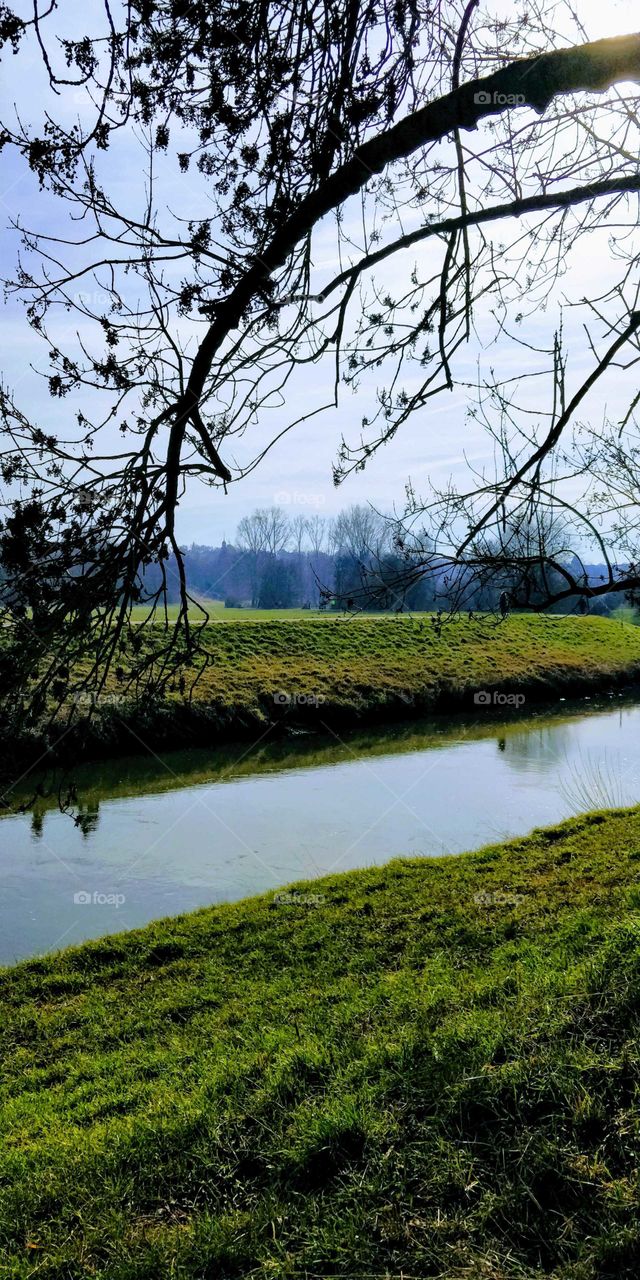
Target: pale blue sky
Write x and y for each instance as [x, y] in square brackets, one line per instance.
[297, 472]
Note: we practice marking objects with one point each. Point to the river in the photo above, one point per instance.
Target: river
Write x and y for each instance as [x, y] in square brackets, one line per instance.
[152, 837]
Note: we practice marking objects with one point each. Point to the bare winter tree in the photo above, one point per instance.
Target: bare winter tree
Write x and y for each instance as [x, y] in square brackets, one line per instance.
[317, 533]
[522, 560]
[277, 528]
[299, 530]
[522, 527]
[458, 159]
[266, 531]
[251, 538]
[359, 532]
[251, 534]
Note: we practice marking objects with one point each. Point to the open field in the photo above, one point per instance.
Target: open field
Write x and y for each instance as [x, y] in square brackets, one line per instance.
[427, 1068]
[218, 613]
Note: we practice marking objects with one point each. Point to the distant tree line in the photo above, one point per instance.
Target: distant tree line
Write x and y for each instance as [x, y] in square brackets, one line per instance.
[358, 560]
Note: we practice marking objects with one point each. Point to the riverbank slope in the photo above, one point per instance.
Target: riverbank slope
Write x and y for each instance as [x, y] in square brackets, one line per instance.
[426, 1068]
[268, 676]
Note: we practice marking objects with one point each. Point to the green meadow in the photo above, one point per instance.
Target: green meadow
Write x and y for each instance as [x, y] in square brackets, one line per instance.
[252, 674]
[430, 1068]
[348, 671]
[218, 612]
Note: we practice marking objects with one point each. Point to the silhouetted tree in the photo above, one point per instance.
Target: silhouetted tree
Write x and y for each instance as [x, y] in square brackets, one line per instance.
[186, 330]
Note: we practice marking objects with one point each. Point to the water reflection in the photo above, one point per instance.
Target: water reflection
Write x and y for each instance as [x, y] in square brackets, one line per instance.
[86, 817]
[146, 838]
[537, 747]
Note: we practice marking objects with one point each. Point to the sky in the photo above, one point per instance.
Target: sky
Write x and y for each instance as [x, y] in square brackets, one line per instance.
[297, 473]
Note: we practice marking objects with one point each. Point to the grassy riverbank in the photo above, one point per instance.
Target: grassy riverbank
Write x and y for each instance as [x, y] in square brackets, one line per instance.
[430, 1067]
[341, 672]
[358, 663]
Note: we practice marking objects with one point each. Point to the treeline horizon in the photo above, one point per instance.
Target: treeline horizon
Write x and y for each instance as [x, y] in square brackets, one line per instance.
[350, 561]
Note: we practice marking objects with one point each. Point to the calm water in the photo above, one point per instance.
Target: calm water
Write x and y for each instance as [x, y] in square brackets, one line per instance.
[160, 837]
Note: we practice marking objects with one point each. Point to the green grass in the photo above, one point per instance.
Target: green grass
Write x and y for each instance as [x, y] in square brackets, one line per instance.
[366, 667]
[219, 613]
[331, 672]
[627, 613]
[357, 660]
[431, 1069]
